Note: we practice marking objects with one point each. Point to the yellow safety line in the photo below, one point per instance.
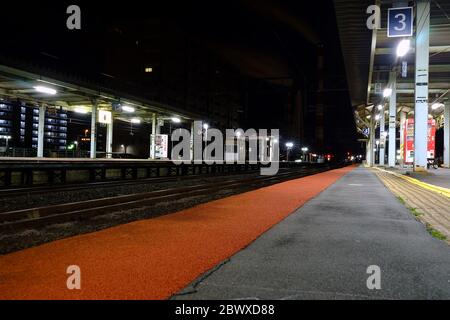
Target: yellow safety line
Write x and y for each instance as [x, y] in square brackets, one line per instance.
[443, 191]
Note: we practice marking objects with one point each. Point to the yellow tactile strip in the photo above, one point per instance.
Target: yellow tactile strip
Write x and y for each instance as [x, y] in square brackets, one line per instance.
[433, 206]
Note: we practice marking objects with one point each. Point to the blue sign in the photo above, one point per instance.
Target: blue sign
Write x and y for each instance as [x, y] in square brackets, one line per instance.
[400, 22]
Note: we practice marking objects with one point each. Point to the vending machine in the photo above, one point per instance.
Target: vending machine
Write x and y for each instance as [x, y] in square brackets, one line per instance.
[408, 147]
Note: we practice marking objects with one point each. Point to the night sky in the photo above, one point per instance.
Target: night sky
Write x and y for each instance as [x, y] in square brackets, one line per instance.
[271, 44]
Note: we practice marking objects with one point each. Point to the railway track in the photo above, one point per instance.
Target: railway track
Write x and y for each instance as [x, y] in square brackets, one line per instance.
[18, 220]
[14, 192]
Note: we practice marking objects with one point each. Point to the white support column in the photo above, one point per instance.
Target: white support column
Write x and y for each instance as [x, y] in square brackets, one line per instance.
[191, 147]
[41, 127]
[421, 85]
[368, 152]
[93, 153]
[109, 138]
[392, 119]
[402, 137]
[372, 140]
[447, 134]
[153, 137]
[382, 138]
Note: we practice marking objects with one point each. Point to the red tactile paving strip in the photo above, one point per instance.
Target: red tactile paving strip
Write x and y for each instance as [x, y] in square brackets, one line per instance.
[155, 258]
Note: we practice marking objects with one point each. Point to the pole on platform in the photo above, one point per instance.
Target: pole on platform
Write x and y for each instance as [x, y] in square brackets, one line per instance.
[191, 144]
[402, 137]
[382, 138]
[392, 119]
[153, 137]
[41, 127]
[93, 153]
[109, 138]
[447, 134]
[372, 139]
[421, 85]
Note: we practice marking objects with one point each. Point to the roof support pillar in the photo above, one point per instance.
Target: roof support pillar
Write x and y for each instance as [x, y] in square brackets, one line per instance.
[41, 126]
[153, 137]
[93, 150]
[392, 119]
[372, 141]
[421, 85]
[191, 145]
[447, 134]
[109, 138]
[382, 138]
[402, 137]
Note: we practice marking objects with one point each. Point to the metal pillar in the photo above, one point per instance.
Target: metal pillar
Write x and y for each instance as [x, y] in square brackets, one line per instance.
[447, 134]
[153, 137]
[368, 154]
[372, 140]
[392, 119]
[421, 85]
[382, 138]
[402, 137]
[93, 153]
[109, 138]
[41, 126]
[191, 147]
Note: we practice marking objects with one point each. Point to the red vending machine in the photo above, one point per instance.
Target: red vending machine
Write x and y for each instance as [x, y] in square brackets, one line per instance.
[408, 129]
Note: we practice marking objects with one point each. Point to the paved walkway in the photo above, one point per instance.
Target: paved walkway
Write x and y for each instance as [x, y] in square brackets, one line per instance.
[439, 177]
[325, 248]
[430, 205]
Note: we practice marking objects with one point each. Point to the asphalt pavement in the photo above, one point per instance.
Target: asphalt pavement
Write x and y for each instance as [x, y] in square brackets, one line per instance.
[324, 250]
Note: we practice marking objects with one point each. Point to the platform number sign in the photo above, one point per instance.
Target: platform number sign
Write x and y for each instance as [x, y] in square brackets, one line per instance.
[400, 22]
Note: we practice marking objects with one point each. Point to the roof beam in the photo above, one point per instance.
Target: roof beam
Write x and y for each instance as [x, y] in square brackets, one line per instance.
[391, 51]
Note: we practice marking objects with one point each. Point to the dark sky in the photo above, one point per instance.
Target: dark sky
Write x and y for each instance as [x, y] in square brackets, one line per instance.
[272, 42]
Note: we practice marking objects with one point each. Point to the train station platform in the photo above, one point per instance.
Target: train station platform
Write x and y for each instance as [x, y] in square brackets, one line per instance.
[438, 177]
[323, 250]
[305, 238]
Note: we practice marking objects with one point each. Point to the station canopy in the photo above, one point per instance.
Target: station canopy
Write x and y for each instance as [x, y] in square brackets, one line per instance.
[370, 55]
[17, 84]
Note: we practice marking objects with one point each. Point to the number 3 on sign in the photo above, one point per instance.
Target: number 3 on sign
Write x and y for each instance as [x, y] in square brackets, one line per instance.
[401, 19]
[400, 22]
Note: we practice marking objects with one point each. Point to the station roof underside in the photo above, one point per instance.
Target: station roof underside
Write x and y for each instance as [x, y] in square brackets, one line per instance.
[370, 56]
[19, 84]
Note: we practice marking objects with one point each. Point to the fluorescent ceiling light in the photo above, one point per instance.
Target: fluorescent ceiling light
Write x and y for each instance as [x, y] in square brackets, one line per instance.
[436, 106]
[176, 120]
[387, 92]
[136, 120]
[403, 47]
[128, 109]
[81, 110]
[43, 89]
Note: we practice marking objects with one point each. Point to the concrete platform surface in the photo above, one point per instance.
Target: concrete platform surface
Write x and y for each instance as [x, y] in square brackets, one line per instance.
[323, 250]
[439, 177]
